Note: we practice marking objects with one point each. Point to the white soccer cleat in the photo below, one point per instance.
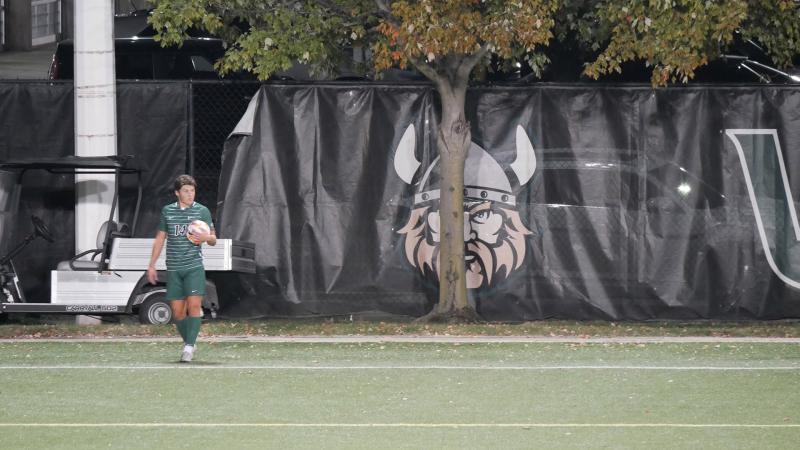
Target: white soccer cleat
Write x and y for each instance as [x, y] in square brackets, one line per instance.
[188, 353]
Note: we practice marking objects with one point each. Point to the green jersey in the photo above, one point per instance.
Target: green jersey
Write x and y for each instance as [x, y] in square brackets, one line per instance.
[182, 254]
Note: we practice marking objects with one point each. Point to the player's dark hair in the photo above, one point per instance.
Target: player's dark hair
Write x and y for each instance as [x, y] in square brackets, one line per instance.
[184, 180]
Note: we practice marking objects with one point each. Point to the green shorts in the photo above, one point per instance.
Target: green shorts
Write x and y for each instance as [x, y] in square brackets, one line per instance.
[183, 283]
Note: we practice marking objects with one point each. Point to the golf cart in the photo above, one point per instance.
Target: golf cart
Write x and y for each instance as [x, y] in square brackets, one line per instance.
[114, 278]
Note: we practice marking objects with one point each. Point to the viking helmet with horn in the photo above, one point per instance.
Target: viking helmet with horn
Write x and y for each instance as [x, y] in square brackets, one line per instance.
[484, 177]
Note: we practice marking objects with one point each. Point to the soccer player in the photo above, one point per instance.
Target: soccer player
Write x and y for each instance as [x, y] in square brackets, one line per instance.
[186, 276]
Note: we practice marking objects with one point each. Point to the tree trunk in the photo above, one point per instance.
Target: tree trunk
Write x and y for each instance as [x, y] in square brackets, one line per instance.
[453, 142]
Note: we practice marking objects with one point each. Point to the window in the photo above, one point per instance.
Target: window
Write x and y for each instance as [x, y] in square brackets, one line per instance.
[2, 23]
[134, 66]
[201, 64]
[181, 66]
[45, 21]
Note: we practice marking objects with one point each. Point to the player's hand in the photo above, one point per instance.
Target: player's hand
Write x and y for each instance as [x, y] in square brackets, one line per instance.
[152, 275]
[197, 239]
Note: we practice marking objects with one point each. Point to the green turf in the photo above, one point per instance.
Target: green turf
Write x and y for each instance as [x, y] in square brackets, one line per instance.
[291, 395]
[63, 326]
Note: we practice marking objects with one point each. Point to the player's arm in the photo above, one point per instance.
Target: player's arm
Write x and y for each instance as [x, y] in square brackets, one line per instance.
[211, 237]
[158, 244]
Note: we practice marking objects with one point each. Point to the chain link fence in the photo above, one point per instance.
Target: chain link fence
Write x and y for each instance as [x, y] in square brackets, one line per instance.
[215, 108]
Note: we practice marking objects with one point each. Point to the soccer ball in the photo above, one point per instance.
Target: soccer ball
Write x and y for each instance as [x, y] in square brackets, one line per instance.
[197, 227]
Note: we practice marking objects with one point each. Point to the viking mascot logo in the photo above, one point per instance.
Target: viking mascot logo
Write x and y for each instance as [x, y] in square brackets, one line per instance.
[494, 235]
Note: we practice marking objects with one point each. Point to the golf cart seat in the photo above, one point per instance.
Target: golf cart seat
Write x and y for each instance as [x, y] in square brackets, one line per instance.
[99, 256]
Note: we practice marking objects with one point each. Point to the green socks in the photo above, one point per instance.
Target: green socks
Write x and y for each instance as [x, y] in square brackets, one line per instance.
[189, 328]
[192, 329]
[181, 326]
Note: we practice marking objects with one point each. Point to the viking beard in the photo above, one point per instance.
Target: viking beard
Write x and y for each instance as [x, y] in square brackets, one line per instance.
[490, 262]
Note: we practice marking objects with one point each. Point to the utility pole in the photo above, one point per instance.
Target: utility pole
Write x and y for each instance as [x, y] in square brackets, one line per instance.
[95, 116]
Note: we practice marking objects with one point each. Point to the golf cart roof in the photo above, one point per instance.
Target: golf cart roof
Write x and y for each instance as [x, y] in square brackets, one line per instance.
[111, 165]
[123, 164]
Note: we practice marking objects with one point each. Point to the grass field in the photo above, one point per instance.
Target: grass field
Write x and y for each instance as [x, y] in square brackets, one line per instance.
[63, 326]
[250, 394]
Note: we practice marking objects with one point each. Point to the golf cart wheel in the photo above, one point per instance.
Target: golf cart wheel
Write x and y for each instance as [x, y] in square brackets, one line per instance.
[155, 310]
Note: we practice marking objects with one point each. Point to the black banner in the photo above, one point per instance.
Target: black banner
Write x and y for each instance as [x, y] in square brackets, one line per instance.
[36, 120]
[583, 202]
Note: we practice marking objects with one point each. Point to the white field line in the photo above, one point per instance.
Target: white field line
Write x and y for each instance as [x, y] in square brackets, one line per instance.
[176, 366]
[428, 339]
[394, 425]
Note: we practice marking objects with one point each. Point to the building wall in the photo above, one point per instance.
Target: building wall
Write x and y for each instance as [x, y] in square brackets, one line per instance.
[18, 24]
[18, 20]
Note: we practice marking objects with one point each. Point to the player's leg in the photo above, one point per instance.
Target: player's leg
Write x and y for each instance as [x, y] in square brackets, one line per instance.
[176, 297]
[195, 284]
[179, 316]
[179, 309]
[194, 308]
[193, 320]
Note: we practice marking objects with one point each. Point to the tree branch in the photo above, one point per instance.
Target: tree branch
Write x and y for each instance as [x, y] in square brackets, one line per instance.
[385, 12]
[383, 6]
[469, 62]
[334, 9]
[425, 68]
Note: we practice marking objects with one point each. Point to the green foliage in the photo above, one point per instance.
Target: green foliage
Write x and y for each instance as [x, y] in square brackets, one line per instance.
[269, 36]
[675, 37]
[428, 30]
[265, 37]
[776, 25]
